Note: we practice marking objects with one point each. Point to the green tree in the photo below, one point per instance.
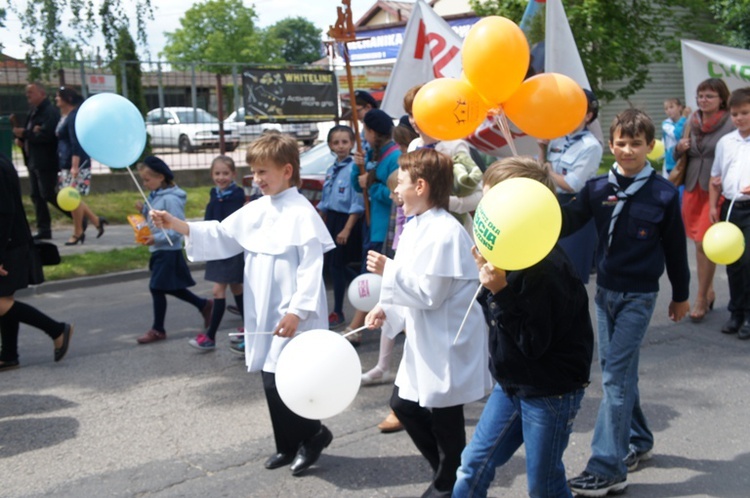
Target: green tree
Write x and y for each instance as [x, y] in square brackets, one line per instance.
[2, 23]
[618, 39]
[301, 41]
[217, 31]
[41, 21]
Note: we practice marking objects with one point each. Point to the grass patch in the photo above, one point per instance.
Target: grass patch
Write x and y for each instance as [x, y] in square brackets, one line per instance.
[116, 206]
[97, 263]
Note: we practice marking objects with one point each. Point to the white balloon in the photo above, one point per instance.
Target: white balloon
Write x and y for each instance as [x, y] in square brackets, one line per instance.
[318, 374]
[364, 291]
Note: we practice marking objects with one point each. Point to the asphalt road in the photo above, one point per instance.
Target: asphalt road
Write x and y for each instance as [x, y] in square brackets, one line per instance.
[118, 419]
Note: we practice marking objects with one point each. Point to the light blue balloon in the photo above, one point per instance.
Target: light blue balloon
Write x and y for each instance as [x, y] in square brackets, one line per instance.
[111, 130]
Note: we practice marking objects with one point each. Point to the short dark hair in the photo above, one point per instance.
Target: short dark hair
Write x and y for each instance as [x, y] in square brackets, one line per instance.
[69, 96]
[340, 129]
[675, 100]
[632, 122]
[739, 97]
[278, 149]
[718, 86]
[403, 136]
[433, 167]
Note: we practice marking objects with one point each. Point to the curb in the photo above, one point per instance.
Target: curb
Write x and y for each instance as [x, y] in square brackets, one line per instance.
[93, 281]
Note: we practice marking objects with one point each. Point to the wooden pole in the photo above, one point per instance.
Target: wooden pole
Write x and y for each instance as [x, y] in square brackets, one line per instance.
[355, 125]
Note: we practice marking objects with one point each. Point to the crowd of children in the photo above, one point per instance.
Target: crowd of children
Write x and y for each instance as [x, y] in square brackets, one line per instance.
[528, 332]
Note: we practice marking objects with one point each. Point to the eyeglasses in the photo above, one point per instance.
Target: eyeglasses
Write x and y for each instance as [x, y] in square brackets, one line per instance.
[706, 97]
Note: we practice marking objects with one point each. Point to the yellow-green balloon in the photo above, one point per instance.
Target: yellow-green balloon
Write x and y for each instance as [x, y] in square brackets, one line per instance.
[517, 223]
[68, 198]
[657, 152]
[724, 243]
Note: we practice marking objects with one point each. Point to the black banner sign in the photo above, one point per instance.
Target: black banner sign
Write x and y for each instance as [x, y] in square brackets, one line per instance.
[289, 95]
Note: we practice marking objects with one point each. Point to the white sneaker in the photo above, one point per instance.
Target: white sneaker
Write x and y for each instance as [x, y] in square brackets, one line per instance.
[376, 376]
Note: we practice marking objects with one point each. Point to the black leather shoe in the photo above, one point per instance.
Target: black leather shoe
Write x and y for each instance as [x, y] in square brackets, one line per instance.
[67, 332]
[744, 332]
[42, 236]
[310, 451]
[278, 460]
[732, 325]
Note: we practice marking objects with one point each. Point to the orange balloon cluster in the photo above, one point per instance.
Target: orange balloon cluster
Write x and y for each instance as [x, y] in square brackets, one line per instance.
[495, 58]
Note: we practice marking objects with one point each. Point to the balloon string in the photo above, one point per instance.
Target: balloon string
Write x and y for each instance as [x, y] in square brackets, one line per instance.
[466, 316]
[355, 331]
[502, 120]
[237, 334]
[731, 204]
[150, 207]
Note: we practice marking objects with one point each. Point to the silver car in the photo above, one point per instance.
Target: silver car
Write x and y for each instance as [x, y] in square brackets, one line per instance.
[187, 129]
[307, 133]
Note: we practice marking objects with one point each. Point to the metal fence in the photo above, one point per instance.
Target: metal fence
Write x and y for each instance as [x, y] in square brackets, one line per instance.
[187, 109]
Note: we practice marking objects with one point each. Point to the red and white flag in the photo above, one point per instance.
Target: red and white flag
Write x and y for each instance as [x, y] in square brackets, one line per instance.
[431, 49]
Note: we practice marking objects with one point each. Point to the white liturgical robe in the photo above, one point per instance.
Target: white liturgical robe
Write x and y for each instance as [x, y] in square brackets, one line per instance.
[426, 291]
[283, 239]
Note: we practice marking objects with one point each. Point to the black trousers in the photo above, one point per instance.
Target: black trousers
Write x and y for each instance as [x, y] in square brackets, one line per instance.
[438, 433]
[43, 185]
[738, 274]
[289, 429]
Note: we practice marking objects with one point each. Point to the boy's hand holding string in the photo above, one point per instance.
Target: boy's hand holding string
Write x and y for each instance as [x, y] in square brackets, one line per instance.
[490, 277]
[286, 327]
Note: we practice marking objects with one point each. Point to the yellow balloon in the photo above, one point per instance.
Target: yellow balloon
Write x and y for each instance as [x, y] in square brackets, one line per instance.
[724, 243]
[517, 223]
[68, 198]
[657, 152]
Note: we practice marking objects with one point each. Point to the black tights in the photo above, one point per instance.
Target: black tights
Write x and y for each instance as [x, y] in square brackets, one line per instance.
[23, 313]
[159, 298]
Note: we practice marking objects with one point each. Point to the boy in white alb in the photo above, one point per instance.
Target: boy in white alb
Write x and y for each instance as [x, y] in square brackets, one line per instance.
[426, 290]
[730, 177]
[283, 239]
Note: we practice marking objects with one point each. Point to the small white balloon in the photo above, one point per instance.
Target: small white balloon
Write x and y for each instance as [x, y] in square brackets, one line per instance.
[364, 291]
[318, 374]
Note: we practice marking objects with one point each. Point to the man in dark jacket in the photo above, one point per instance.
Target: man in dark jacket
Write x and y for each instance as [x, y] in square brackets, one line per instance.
[38, 140]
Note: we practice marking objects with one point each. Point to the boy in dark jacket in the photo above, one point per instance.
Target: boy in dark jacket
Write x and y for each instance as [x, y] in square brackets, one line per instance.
[540, 343]
[637, 217]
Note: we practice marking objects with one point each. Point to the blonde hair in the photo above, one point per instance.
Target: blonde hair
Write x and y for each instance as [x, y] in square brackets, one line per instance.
[518, 167]
[392, 181]
[277, 149]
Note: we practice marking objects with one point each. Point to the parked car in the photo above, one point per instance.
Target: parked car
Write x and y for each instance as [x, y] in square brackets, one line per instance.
[313, 166]
[307, 133]
[187, 129]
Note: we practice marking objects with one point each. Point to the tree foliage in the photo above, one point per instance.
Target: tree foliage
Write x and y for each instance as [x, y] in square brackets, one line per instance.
[618, 39]
[41, 21]
[217, 31]
[301, 40]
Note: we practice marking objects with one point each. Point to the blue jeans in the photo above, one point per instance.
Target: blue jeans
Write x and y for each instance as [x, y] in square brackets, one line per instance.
[623, 319]
[542, 424]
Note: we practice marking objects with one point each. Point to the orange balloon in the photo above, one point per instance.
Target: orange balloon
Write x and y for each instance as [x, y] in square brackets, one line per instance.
[495, 57]
[548, 105]
[448, 109]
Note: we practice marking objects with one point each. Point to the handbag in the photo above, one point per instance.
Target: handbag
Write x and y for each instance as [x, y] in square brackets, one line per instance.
[47, 253]
[677, 175]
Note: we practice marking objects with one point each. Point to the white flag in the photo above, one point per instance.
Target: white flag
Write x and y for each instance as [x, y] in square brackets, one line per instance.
[431, 49]
[701, 61]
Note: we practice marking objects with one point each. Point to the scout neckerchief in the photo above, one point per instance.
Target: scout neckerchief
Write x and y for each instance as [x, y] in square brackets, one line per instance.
[223, 194]
[624, 195]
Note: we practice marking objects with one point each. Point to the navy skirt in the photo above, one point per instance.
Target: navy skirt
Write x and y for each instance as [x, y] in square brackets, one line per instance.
[341, 256]
[226, 271]
[169, 271]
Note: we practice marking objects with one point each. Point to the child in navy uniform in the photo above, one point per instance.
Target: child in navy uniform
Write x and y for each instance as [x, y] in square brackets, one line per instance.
[342, 208]
[638, 220]
[170, 273]
[226, 198]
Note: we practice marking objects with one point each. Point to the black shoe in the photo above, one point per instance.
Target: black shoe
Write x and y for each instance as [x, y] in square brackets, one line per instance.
[80, 239]
[67, 332]
[42, 236]
[744, 332]
[310, 451]
[732, 325]
[586, 484]
[9, 365]
[233, 309]
[100, 229]
[278, 460]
